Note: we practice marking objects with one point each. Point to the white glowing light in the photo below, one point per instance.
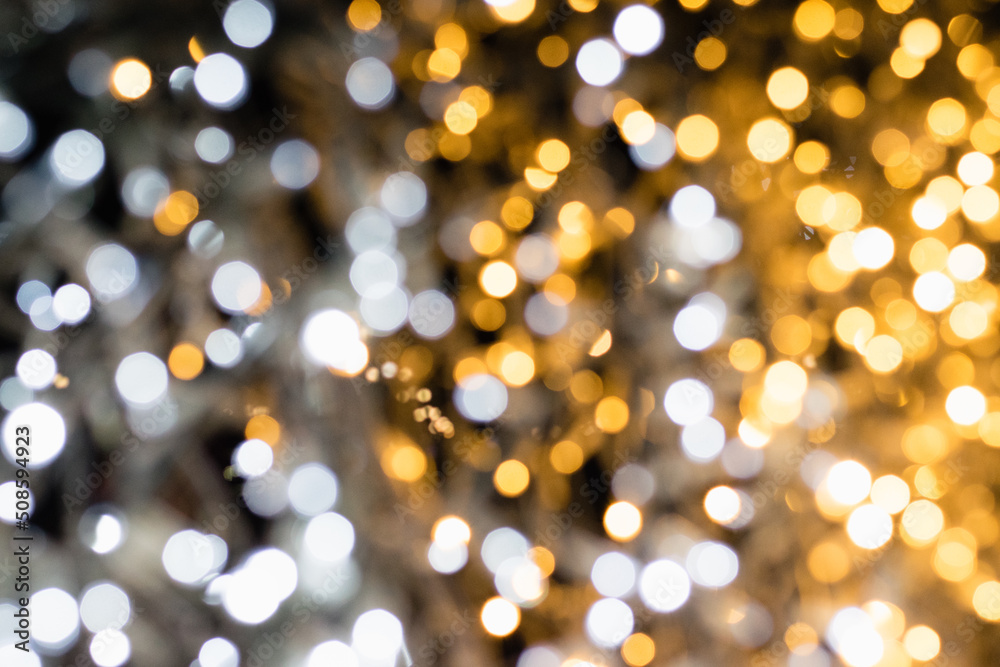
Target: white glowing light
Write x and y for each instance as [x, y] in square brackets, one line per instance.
[869, 526]
[664, 586]
[329, 537]
[501, 544]
[295, 164]
[223, 348]
[248, 23]
[253, 458]
[71, 303]
[214, 145]
[712, 564]
[312, 489]
[141, 378]
[480, 397]
[16, 132]
[188, 557]
[332, 653]
[599, 62]
[36, 369]
[703, 440]
[638, 30]
[55, 619]
[692, 206]
[370, 83]
[849, 482]
[609, 622]
[143, 189]
[613, 574]
[236, 287]
[404, 197]
[432, 314]
[48, 433]
[688, 401]
[221, 81]
[873, 248]
[77, 158]
[933, 291]
[112, 271]
[377, 636]
[110, 648]
[447, 558]
[218, 652]
[103, 606]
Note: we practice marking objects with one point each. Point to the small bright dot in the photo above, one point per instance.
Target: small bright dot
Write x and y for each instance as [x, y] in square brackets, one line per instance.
[498, 279]
[965, 405]
[131, 79]
[623, 521]
[500, 617]
[638, 30]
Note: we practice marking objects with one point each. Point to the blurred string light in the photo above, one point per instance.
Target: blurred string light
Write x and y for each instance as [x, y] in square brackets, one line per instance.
[886, 310]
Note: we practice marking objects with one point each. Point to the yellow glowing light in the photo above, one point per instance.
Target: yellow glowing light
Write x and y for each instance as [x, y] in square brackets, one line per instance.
[586, 386]
[756, 435]
[890, 147]
[928, 212]
[130, 79]
[786, 381]
[404, 462]
[849, 23]
[722, 504]
[488, 315]
[452, 36]
[966, 262]
[638, 127]
[973, 60]
[746, 355]
[194, 48]
[955, 555]
[847, 101]
[460, 117]
[894, 6]
[479, 98]
[186, 362]
[553, 155]
[891, 493]
[622, 521]
[517, 213]
[975, 168]
[517, 369]
[575, 217]
[710, 53]
[513, 12]
[770, 139]
[561, 286]
[175, 212]
[828, 562]
[566, 457]
[611, 414]
[842, 211]
[811, 157]
[900, 314]
[263, 427]
[921, 522]
[986, 601]
[539, 179]
[444, 65]
[921, 38]
[928, 254]
[922, 643]
[924, 443]
[980, 203]
[486, 237]
[620, 222]
[500, 617]
[791, 335]
[904, 65]
[601, 345]
[498, 279]
[969, 320]
[946, 119]
[810, 204]
[511, 478]
[965, 405]
[638, 650]
[813, 20]
[883, 354]
[553, 51]
[697, 137]
[364, 15]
